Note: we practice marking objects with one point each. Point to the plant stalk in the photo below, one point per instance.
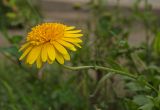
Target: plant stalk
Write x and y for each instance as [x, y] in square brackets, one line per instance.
[124, 73]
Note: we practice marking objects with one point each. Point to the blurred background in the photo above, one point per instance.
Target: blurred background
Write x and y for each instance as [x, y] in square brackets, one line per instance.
[120, 34]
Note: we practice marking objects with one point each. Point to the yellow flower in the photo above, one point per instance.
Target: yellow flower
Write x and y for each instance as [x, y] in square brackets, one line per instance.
[48, 41]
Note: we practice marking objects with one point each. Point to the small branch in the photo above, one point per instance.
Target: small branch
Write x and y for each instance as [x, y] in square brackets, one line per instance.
[102, 68]
[135, 77]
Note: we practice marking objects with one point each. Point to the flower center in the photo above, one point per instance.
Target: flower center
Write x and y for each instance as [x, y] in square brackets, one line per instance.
[46, 32]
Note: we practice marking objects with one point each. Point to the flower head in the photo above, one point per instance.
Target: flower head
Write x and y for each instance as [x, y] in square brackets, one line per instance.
[48, 42]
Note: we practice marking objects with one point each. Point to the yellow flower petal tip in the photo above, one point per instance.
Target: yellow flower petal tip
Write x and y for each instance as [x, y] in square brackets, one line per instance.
[48, 42]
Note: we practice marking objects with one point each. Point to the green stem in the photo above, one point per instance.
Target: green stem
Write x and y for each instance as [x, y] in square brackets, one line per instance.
[133, 76]
[102, 68]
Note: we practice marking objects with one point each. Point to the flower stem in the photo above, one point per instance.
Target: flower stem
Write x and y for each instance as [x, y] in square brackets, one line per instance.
[102, 68]
[135, 77]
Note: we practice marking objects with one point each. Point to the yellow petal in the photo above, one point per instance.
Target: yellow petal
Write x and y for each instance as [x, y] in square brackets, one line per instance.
[76, 44]
[69, 28]
[33, 55]
[73, 32]
[51, 52]
[24, 46]
[59, 58]
[49, 61]
[66, 44]
[26, 52]
[60, 48]
[74, 40]
[44, 53]
[39, 62]
[73, 35]
[67, 57]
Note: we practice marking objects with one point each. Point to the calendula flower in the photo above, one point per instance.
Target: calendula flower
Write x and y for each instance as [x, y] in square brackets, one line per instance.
[49, 42]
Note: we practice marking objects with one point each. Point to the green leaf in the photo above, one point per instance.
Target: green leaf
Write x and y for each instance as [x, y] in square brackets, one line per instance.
[123, 43]
[10, 51]
[11, 15]
[133, 86]
[16, 39]
[104, 25]
[116, 31]
[11, 94]
[156, 43]
[148, 106]
[130, 105]
[141, 100]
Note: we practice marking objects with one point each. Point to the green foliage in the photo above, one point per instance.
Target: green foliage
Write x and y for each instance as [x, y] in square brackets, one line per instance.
[25, 91]
[105, 43]
[156, 45]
